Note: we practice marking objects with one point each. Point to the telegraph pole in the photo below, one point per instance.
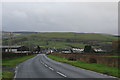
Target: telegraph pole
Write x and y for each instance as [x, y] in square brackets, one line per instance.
[21, 47]
[10, 42]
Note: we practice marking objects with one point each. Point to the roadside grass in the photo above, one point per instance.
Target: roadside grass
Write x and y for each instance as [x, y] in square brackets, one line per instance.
[7, 74]
[113, 71]
[11, 63]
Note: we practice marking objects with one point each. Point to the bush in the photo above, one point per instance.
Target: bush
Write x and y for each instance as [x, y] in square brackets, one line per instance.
[11, 55]
[92, 60]
[71, 59]
[88, 49]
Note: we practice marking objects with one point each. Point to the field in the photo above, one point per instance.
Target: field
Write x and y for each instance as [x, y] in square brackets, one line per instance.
[90, 66]
[63, 40]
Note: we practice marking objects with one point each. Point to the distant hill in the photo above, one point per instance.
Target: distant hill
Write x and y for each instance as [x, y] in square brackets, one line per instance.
[62, 39]
[25, 32]
[6, 35]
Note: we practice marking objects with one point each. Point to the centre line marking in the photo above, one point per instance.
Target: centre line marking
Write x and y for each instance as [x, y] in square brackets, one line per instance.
[46, 65]
[51, 68]
[61, 74]
[42, 62]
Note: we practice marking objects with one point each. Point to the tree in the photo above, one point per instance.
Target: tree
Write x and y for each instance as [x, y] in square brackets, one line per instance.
[38, 48]
[88, 49]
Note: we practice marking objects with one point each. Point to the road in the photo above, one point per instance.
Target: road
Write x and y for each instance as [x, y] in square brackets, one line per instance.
[43, 67]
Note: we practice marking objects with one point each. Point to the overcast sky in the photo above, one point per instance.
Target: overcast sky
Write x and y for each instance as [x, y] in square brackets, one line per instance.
[91, 17]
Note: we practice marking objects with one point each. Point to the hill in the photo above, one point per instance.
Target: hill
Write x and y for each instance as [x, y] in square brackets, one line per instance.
[6, 35]
[63, 40]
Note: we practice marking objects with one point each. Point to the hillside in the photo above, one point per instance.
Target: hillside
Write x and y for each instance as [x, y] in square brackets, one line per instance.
[6, 35]
[63, 40]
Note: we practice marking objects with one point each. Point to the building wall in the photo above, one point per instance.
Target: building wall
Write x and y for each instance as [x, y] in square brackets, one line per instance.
[8, 50]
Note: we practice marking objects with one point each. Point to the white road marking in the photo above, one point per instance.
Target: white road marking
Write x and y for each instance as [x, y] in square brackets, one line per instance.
[46, 65]
[41, 62]
[14, 77]
[61, 74]
[15, 73]
[51, 68]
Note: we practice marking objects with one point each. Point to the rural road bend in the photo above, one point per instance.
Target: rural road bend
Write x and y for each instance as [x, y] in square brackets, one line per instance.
[43, 67]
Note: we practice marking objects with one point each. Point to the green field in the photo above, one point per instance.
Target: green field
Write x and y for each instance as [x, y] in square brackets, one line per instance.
[11, 63]
[63, 40]
[90, 66]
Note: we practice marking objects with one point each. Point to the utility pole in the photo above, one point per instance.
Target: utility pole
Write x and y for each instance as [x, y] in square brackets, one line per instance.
[10, 42]
[29, 46]
[21, 47]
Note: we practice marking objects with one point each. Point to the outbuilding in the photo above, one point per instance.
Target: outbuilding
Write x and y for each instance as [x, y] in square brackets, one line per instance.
[14, 49]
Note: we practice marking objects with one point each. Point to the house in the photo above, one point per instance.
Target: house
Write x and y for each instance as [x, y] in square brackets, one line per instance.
[77, 50]
[15, 49]
[64, 50]
[99, 50]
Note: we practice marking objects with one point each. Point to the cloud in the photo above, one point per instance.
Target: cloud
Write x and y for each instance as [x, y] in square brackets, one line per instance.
[19, 14]
[70, 17]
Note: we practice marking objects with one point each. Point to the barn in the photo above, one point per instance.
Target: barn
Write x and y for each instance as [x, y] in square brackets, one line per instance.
[14, 49]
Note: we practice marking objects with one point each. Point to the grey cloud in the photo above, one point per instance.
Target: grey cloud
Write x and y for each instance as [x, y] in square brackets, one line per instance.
[70, 17]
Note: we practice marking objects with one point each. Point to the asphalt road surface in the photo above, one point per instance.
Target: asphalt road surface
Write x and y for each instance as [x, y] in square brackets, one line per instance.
[43, 67]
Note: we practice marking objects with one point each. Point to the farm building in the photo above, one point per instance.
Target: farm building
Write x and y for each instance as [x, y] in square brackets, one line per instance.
[15, 49]
[99, 50]
[77, 50]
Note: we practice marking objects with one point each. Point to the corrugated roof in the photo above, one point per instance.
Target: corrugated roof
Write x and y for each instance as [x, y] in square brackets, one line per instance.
[10, 46]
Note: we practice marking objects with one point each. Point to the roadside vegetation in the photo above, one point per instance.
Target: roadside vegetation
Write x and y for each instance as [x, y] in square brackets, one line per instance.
[113, 71]
[9, 65]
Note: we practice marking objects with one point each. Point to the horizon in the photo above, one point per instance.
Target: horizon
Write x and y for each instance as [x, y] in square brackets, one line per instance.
[61, 32]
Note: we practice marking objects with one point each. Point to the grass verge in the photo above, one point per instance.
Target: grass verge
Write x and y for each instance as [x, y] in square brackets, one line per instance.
[113, 71]
[9, 63]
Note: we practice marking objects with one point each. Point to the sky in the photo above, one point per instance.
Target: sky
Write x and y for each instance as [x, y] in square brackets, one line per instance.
[87, 17]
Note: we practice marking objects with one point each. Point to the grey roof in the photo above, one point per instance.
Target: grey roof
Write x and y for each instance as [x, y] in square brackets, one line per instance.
[10, 46]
